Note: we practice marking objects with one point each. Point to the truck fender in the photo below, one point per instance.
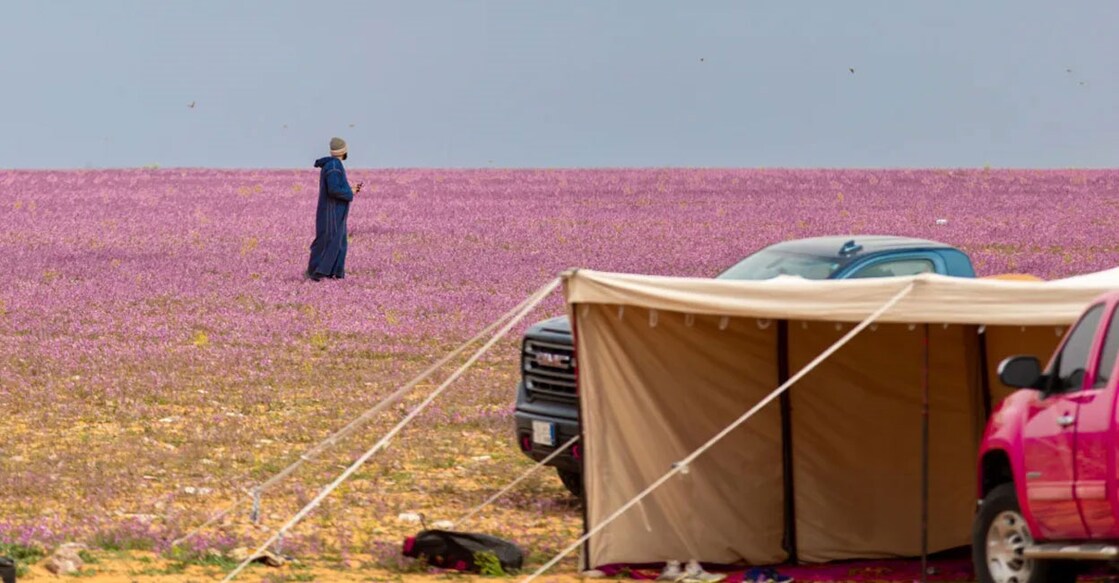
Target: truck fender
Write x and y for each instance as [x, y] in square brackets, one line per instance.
[1001, 459]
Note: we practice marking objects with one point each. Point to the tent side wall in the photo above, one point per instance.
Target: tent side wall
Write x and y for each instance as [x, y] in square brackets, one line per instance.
[651, 395]
[857, 439]
[662, 383]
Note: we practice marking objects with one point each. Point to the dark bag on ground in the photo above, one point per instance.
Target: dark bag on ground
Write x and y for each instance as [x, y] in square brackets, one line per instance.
[7, 570]
[458, 550]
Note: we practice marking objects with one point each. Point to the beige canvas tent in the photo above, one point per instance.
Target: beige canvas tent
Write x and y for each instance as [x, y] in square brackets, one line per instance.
[833, 470]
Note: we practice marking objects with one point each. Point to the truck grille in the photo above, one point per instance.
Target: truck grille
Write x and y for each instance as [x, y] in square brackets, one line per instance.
[549, 370]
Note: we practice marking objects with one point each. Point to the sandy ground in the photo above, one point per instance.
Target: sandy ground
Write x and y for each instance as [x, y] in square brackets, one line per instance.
[142, 567]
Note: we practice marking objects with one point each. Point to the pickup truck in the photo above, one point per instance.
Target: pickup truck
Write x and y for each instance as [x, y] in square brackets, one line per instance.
[547, 410]
[1048, 480]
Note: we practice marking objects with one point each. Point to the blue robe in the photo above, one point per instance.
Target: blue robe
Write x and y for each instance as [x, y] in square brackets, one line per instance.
[328, 251]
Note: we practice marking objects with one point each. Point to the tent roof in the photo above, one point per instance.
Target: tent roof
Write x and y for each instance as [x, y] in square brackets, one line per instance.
[934, 298]
[1102, 277]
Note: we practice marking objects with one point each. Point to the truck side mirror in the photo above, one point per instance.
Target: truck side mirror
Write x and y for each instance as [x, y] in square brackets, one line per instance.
[1022, 372]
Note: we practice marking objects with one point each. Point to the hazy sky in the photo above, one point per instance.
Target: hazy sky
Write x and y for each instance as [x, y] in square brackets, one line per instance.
[565, 83]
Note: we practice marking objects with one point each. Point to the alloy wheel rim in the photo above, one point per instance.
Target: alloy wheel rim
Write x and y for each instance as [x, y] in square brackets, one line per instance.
[1007, 539]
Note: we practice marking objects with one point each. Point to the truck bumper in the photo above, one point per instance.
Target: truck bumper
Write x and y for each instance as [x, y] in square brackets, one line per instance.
[560, 422]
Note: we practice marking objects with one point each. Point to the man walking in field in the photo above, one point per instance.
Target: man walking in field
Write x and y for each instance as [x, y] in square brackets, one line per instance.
[328, 251]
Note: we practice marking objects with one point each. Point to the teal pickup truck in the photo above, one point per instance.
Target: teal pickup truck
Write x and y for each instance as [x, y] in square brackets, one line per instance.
[547, 412]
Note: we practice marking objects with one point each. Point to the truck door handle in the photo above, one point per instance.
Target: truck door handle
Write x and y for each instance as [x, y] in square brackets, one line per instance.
[1066, 420]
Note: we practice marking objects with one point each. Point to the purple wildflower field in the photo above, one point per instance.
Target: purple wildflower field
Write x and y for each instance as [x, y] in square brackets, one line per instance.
[160, 351]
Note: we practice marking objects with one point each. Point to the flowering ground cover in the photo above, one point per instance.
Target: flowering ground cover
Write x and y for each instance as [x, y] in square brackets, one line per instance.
[160, 351]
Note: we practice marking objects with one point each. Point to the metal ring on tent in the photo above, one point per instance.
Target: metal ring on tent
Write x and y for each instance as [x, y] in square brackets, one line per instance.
[764, 323]
[689, 320]
[874, 327]
[912, 327]
[621, 312]
[585, 309]
[652, 318]
[804, 325]
[1060, 331]
[982, 329]
[724, 322]
[839, 325]
[946, 325]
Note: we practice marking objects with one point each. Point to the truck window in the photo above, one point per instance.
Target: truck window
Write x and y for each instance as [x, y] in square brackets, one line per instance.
[767, 264]
[1072, 362]
[897, 268]
[1107, 357]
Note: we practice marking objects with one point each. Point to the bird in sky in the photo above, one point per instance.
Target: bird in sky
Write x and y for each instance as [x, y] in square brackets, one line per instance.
[191, 106]
[851, 69]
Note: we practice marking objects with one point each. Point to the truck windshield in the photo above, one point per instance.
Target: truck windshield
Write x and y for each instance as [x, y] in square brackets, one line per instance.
[767, 263]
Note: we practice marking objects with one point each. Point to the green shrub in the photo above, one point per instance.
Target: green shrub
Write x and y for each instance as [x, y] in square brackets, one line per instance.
[488, 564]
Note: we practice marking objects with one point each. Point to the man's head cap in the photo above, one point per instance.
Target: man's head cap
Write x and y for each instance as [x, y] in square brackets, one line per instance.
[337, 147]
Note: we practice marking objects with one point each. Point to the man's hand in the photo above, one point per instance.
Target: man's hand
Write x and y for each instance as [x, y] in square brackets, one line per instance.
[358, 188]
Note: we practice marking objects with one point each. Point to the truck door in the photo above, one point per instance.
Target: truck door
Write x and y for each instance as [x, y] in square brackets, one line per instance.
[1049, 436]
[1094, 437]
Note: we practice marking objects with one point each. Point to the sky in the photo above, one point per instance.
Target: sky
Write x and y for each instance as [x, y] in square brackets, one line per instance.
[560, 84]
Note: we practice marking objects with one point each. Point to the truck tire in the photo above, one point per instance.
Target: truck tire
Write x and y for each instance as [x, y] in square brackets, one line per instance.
[573, 481]
[998, 536]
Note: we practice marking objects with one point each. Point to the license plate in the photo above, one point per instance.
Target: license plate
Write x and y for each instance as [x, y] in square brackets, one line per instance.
[543, 433]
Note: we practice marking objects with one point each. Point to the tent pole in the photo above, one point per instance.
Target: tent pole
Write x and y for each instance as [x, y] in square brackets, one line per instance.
[785, 402]
[984, 380]
[586, 550]
[925, 461]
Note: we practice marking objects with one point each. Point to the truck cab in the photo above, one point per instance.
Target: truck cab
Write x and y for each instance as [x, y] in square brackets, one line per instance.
[547, 410]
[1048, 485]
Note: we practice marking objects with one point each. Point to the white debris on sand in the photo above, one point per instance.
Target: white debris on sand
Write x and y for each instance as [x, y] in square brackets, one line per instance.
[409, 518]
[66, 559]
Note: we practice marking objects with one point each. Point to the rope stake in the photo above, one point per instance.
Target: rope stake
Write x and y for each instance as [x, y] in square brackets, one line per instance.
[254, 515]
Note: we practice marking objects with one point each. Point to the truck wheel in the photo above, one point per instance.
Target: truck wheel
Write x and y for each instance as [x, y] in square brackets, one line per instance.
[998, 537]
[573, 481]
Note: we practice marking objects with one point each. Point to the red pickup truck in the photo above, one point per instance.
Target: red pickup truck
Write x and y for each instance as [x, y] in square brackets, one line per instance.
[1049, 460]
